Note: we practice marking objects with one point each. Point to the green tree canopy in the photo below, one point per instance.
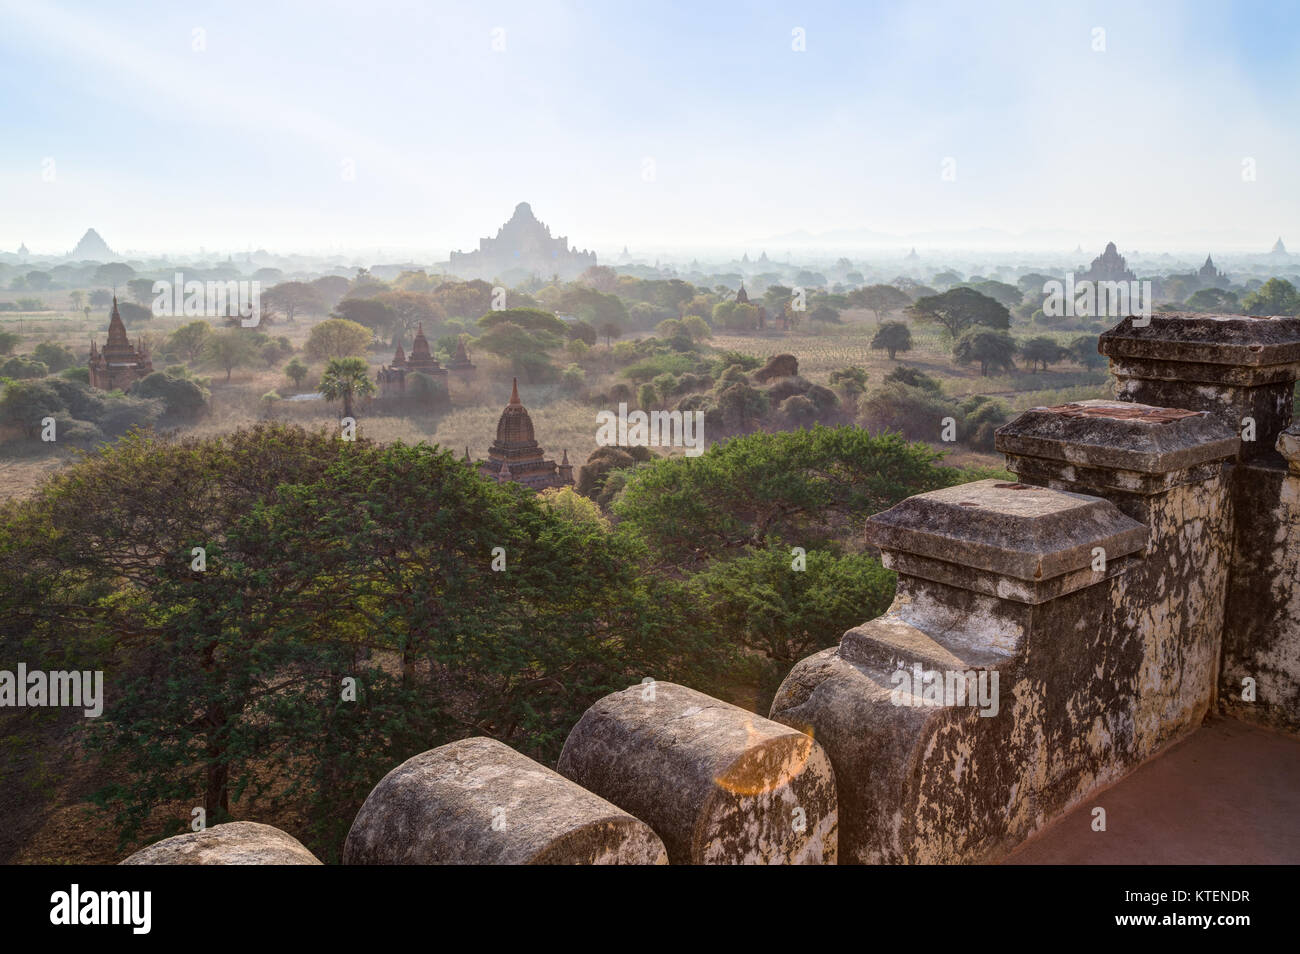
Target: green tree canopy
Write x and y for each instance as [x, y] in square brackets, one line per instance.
[892, 336]
[992, 350]
[959, 308]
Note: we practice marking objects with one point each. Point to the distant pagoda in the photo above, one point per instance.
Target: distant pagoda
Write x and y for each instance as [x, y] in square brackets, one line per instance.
[460, 360]
[523, 243]
[120, 364]
[1209, 274]
[515, 455]
[392, 377]
[1109, 266]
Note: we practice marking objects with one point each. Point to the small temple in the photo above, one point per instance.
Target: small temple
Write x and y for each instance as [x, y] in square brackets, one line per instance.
[515, 455]
[1209, 274]
[120, 364]
[460, 360]
[392, 377]
[742, 298]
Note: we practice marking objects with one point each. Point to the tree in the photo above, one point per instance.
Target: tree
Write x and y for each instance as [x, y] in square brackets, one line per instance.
[56, 357]
[26, 403]
[294, 297]
[113, 273]
[182, 398]
[697, 328]
[101, 298]
[914, 412]
[337, 338]
[1277, 296]
[735, 316]
[38, 281]
[804, 487]
[7, 341]
[543, 325]
[295, 370]
[758, 602]
[1084, 350]
[1042, 351]
[77, 299]
[879, 299]
[959, 308]
[141, 289]
[345, 379]
[1009, 296]
[369, 312]
[610, 329]
[892, 336]
[850, 382]
[992, 349]
[230, 349]
[1213, 301]
[822, 313]
[189, 340]
[21, 367]
[133, 314]
[981, 417]
[581, 331]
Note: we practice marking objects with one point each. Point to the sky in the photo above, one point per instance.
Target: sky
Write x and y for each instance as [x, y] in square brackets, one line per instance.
[415, 128]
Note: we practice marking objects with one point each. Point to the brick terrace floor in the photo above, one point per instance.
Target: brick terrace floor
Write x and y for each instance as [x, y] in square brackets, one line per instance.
[1227, 794]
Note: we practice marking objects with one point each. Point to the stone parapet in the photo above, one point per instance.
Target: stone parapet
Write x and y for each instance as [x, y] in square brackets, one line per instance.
[478, 801]
[970, 713]
[719, 784]
[234, 843]
[1238, 368]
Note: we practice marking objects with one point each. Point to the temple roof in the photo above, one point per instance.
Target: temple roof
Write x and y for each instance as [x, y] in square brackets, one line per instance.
[515, 427]
[420, 346]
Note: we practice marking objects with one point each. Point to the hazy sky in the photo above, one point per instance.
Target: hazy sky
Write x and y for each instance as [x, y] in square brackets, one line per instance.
[651, 124]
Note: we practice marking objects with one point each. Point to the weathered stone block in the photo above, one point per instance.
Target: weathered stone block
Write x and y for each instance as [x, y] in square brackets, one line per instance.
[1095, 446]
[1233, 366]
[478, 801]
[719, 784]
[234, 843]
[1010, 540]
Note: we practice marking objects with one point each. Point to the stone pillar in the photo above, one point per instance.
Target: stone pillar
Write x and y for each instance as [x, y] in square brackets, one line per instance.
[478, 801]
[995, 692]
[1233, 366]
[1237, 368]
[1169, 469]
[720, 784]
[1261, 640]
[234, 843]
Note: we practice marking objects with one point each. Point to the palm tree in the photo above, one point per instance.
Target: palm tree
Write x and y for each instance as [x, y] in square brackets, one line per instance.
[344, 379]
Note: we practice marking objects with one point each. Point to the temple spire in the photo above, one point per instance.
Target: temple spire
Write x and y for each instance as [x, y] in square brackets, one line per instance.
[514, 393]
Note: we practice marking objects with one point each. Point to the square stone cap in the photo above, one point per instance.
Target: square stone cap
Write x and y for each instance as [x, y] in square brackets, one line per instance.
[1016, 530]
[1238, 340]
[1119, 435]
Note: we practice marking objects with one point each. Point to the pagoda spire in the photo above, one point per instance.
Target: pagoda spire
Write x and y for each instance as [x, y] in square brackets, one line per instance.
[514, 393]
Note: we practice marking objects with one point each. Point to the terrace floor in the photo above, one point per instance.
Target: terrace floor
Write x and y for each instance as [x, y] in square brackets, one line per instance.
[1228, 794]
